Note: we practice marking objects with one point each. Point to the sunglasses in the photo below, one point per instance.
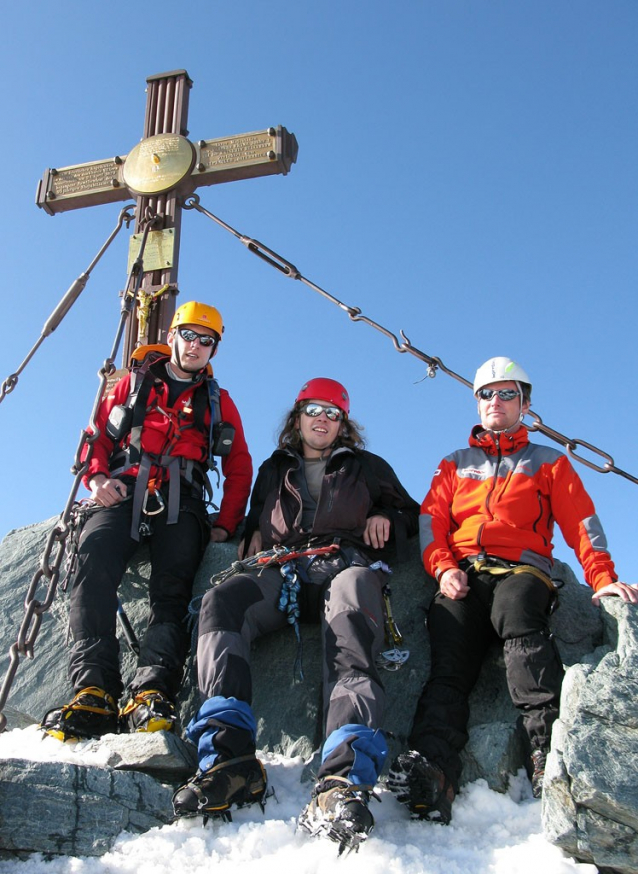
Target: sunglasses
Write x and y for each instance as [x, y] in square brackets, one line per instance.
[190, 336]
[505, 394]
[314, 410]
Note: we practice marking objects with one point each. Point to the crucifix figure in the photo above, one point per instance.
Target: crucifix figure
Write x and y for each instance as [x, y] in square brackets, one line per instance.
[160, 172]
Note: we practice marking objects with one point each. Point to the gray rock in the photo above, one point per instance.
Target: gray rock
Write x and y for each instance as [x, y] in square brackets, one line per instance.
[494, 750]
[590, 795]
[159, 754]
[86, 808]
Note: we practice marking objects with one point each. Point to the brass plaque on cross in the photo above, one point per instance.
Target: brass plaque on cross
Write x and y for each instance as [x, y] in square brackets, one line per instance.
[158, 164]
[82, 185]
[258, 153]
[159, 252]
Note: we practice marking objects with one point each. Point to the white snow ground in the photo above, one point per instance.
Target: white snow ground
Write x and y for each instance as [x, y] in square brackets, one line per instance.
[490, 833]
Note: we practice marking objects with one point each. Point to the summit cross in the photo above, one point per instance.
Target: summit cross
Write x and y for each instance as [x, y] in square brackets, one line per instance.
[160, 172]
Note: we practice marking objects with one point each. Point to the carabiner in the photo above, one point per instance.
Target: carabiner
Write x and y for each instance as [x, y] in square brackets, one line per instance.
[161, 506]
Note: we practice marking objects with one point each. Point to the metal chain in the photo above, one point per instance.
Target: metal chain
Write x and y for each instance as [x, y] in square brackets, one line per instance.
[48, 573]
[570, 444]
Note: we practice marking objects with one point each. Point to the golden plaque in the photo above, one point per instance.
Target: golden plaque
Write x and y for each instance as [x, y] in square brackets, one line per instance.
[159, 253]
[158, 164]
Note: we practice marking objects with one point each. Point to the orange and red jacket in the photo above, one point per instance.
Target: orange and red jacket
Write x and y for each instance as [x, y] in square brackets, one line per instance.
[501, 497]
[170, 431]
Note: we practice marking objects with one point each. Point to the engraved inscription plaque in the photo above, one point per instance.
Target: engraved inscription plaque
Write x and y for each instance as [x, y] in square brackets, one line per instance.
[159, 251]
[85, 178]
[82, 185]
[245, 156]
[240, 150]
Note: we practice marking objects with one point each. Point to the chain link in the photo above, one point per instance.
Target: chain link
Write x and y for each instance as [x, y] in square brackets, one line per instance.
[434, 364]
[48, 574]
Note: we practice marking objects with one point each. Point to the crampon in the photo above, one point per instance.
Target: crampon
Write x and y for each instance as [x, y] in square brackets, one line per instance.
[338, 810]
[232, 783]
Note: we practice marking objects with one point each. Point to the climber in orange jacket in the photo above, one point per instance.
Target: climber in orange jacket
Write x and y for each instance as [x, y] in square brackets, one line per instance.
[486, 529]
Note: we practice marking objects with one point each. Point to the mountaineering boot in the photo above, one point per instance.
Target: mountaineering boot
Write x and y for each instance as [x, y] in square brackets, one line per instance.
[148, 710]
[92, 713]
[338, 810]
[422, 787]
[236, 782]
[537, 771]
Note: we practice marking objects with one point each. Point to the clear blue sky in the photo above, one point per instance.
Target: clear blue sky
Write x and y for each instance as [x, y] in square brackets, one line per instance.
[466, 172]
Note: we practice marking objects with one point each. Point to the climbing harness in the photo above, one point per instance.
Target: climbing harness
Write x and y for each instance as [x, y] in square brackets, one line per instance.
[391, 659]
[52, 559]
[127, 420]
[570, 444]
[288, 597]
[488, 564]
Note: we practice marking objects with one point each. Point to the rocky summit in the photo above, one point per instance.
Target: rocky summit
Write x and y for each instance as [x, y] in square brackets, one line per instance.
[590, 801]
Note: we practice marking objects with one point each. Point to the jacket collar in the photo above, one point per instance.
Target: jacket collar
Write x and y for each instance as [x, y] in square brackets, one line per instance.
[294, 453]
[507, 442]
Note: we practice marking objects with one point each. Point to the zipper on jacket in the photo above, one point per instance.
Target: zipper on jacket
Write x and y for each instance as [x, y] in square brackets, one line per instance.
[499, 456]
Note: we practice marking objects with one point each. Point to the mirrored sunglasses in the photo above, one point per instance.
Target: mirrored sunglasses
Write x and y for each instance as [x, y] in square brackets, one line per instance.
[314, 410]
[505, 394]
[189, 336]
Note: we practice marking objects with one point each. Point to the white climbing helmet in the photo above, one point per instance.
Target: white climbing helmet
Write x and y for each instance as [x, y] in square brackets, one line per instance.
[500, 369]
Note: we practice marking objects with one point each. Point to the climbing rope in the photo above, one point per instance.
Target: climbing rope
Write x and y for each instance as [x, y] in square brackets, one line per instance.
[51, 563]
[434, 364]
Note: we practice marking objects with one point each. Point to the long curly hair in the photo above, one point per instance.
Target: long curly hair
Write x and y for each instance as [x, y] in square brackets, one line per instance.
[350, 434]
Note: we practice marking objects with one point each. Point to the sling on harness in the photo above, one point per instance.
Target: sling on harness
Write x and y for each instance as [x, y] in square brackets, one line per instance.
[498, 566]
[289, 604]
[127, 420]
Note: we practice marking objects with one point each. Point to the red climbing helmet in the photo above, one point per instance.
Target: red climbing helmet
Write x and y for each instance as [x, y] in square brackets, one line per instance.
[322, 389]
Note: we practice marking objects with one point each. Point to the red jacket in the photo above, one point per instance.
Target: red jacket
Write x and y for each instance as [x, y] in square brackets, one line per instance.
[168, 430]
[501, 497]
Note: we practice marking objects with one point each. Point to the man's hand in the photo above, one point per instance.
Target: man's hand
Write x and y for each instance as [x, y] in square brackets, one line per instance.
[624, 590]
[218, 535]
[107, 492]
[253, 547]
[377, 532]
[453, 584]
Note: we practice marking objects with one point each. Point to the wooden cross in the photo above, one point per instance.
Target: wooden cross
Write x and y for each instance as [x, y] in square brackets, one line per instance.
[160, 172]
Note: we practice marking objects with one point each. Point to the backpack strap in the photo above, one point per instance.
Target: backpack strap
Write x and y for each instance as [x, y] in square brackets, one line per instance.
[137, 401]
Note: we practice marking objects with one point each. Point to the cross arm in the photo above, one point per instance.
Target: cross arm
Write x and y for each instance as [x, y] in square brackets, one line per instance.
[244, 156]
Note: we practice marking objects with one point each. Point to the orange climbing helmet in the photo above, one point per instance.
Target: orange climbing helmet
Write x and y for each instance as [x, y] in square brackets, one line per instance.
[193, 313]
